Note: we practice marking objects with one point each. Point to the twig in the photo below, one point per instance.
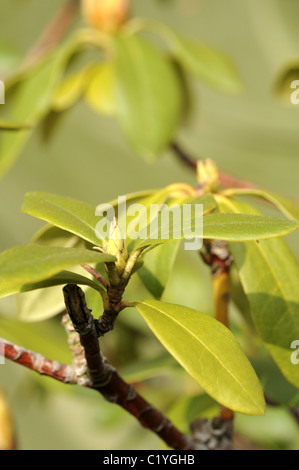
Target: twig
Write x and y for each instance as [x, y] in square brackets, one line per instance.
[38, 363]
[53, 33]
[183, 156]
[106, 380]
[96, 274]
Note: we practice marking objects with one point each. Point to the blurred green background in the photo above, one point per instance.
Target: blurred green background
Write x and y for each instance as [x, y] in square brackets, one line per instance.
[254, 137]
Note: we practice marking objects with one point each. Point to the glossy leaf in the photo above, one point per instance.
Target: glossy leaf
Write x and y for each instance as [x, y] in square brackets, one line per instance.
[34, 295]
[208, 351]
[70, 90]
[269, 273]
[157, 267]
[245, 227]
[100, 92]
[32, 263]
[7, 126]
[150, 368]
[64, 277]
[189, 408]
[148, 95]
[288, 207]
[230, 227]
[68, 214]
[42, 300]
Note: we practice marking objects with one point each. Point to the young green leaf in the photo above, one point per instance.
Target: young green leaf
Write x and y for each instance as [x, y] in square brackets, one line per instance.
[230, 227]
[189, 408]
[8, 126]
[44, 299]
[100, 92]
[33, 263]
[242, 227]
[70, 89]
[158, 264]
[288, 207]
[269, 274]
[148, 95]
[68, 214]
[209, 352]
[45, 293]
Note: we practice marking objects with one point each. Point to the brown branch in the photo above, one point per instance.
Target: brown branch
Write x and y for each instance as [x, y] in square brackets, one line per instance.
[38, 363]
[53, 33]
[106, 380]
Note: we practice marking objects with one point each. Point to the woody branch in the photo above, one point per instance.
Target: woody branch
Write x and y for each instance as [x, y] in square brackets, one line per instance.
[106, 380]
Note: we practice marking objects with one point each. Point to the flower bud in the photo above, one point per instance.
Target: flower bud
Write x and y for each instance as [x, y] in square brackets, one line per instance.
[106, 15]
[208, 176]
[117, 247]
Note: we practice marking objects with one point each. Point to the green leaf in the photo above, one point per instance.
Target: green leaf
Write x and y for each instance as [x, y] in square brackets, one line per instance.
[157, 267]
[42, 300]
[148, 95]
[7, 126]
[34, 295]
[33, 263]
[189, 408]
[231, 227]
[68, 214]
[33, 94]
[70, 90]
[209, 352]
[146, 369]
[242, 227]
[269, 274]
[100, 92]
[288, 207]
[207, 63]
